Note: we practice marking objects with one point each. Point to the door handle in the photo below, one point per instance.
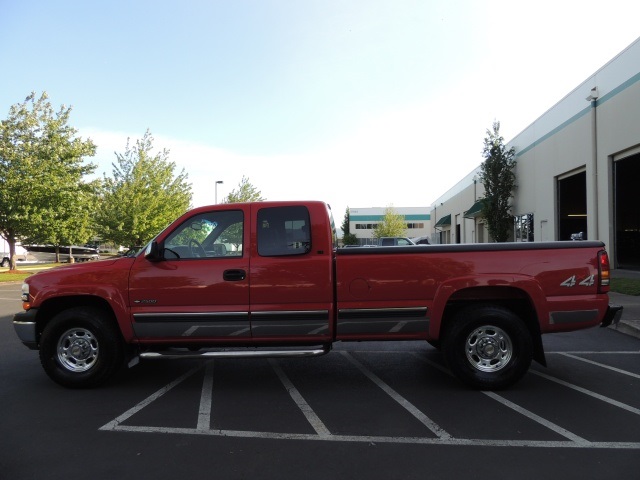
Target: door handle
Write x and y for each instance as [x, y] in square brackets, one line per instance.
[234, 275]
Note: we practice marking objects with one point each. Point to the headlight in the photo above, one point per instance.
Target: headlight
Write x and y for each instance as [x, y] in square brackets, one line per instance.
[25, 292]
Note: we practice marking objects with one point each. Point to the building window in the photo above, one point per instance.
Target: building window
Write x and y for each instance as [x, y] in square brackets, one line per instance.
[523, 228]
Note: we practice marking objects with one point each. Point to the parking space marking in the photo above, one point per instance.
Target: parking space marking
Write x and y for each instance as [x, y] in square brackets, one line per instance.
[206, 398]
[378, 439]
[115, 424]
[590, 393]
[403, 402]
[207, 403]
[602, 365]
[537, 418]
[523, 411]
[302, 404]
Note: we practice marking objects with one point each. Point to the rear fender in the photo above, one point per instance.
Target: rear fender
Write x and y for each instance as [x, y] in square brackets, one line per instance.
[487, 289]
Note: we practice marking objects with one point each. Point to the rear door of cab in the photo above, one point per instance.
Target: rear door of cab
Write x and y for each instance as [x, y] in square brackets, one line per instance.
[291, 286]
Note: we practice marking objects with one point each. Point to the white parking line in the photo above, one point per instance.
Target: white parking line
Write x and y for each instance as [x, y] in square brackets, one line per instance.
[422, 418]
[206, 398]
[115, 424]
[522, 411]
[378, 439]
[538, 419]
[602, 365]
[308, 412]
[590, 393]
[207, 403]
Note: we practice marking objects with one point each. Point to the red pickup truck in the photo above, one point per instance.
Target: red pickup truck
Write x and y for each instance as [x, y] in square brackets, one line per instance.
[267, 279]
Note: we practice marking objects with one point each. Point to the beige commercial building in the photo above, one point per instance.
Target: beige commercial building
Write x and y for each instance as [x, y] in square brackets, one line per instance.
[578, 166]
[364, 221]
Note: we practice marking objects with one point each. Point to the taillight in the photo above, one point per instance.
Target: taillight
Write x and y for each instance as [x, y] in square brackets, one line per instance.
[604, 271]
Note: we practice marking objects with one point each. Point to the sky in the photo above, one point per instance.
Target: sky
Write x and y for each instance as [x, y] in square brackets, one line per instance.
[359, 103]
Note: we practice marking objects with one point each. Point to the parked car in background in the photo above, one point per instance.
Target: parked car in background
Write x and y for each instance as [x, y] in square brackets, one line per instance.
[21, 256]
[394, 242]
[421, 240]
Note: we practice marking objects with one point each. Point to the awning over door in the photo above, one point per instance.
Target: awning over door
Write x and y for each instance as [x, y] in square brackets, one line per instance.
[444, 221]
[475, 210]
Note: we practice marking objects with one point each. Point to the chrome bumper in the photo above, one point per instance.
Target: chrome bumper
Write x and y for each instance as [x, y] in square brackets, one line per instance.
[24, 324]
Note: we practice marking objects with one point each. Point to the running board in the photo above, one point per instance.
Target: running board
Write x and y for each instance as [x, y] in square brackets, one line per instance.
[171, 355]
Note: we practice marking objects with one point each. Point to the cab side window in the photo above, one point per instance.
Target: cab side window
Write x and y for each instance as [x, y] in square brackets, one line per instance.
[208, 235]
[283, 231]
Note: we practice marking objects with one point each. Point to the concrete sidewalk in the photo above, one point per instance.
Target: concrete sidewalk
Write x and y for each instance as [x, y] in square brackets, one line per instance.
[630, 321]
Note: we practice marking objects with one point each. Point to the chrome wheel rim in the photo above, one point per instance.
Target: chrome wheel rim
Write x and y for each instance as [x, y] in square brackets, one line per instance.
[77, 350]
[488, 348]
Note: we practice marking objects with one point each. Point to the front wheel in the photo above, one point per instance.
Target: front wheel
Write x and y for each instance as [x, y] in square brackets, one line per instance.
[81, 348]
[488, 347]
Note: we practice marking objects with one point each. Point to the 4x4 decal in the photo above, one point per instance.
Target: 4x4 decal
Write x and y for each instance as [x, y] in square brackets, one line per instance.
[571, 281]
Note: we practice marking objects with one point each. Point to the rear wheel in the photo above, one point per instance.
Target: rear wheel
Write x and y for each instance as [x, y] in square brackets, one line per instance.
[488, 347]
[81, 348]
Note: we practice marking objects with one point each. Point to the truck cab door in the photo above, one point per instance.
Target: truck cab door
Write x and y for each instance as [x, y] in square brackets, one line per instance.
[291, 276]
[197, 287]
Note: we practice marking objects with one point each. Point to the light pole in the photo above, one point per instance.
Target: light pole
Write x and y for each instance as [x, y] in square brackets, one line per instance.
[217, 182]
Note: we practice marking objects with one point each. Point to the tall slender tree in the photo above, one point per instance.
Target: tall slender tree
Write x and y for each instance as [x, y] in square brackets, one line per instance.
[44, 196]
[348, 238]
[499, 180]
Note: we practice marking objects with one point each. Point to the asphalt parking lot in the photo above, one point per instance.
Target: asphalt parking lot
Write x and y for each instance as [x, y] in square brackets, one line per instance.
[365, 410]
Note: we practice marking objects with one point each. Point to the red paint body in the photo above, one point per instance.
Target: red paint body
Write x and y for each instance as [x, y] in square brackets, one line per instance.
[326, 294]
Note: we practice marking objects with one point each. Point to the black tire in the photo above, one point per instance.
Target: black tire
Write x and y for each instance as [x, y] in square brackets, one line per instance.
[488, 347]
[81, 348]
[5, 262]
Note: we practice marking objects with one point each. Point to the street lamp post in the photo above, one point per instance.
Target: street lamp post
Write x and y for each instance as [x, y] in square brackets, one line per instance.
[216, 189]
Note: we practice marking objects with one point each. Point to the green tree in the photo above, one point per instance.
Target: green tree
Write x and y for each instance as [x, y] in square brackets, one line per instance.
[348, 238]
[393, 225]
[143, 196]
[499, 179]
[246, 193]
[42, 170]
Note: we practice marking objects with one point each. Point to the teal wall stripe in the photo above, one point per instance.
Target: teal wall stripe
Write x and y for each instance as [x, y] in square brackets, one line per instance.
[623, 86]
[380, 218]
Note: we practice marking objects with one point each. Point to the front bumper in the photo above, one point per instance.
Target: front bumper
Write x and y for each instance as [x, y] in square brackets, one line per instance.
[24, 324]
[612, 317]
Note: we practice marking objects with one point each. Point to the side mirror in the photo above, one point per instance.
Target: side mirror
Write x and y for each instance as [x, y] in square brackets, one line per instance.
[152, 253]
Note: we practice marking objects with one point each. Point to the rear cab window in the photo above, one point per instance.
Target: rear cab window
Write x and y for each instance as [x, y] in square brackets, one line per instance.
[283, 231]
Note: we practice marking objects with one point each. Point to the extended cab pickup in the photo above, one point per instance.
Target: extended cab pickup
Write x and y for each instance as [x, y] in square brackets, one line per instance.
[266, 279]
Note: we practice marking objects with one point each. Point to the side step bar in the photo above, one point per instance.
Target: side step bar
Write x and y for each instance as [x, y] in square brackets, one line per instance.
[172, 355]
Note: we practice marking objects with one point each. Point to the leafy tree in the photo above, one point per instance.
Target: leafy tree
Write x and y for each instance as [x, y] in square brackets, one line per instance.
[42, 170]
[246, 193]
[496, 173]
[143, 196]
[393, 225]
[348, 238]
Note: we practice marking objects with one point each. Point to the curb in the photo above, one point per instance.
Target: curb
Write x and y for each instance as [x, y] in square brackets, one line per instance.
[627, 329]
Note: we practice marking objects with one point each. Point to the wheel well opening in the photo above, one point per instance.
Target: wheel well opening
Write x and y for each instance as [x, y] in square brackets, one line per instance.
[513, 299]
[54, 306]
